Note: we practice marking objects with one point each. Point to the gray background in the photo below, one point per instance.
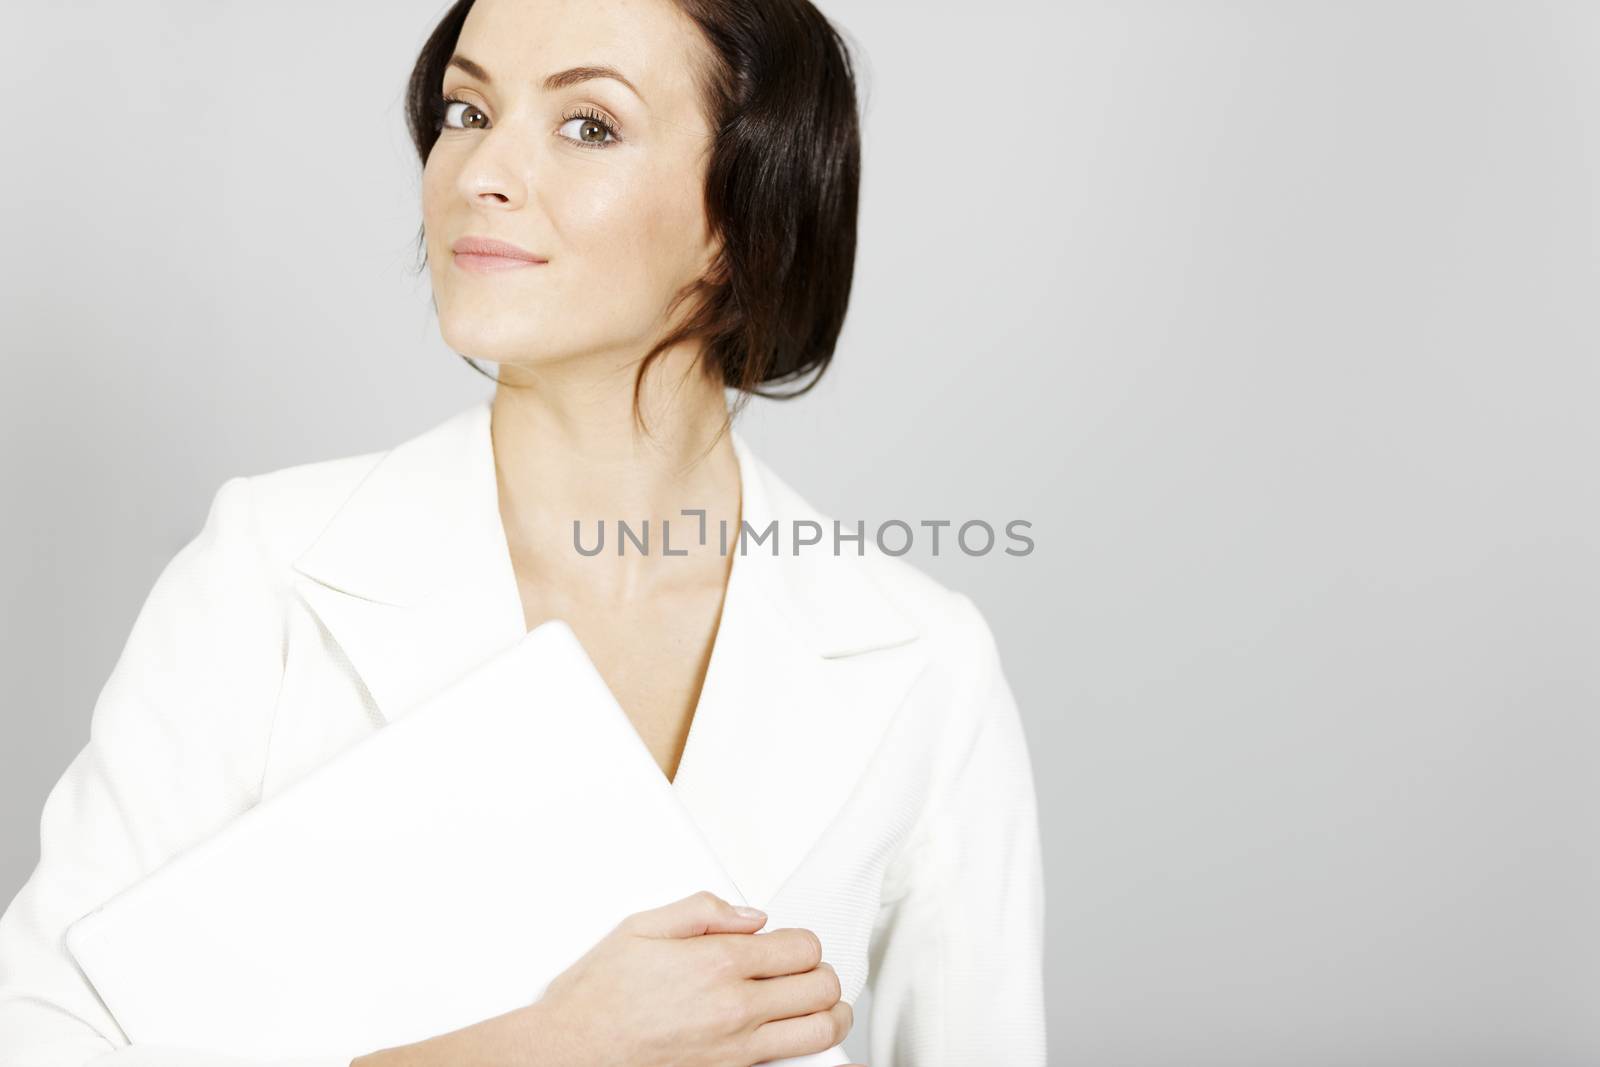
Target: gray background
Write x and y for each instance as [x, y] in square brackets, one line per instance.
[1276, 319]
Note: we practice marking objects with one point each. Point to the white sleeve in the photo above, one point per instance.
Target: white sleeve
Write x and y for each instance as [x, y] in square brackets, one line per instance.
[176, 747]
[958, 948]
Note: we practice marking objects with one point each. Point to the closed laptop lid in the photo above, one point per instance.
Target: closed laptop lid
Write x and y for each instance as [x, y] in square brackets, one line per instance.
[440, 872]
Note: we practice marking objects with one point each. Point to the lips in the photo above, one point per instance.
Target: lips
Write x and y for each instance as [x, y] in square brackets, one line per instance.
[489, 246]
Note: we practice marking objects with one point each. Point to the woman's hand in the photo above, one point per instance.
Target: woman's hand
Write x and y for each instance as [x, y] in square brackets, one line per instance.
[686, 984]
[682, 985]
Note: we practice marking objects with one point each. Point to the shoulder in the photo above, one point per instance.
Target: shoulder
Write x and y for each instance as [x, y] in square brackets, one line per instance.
[957, 702]
[284, 509]
[958, 639]
[962, 658]
[440, 467]
[948, 616]
[952, 629]
[225, 586]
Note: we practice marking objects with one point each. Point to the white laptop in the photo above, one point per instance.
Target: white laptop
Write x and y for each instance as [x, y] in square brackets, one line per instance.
[438, 873]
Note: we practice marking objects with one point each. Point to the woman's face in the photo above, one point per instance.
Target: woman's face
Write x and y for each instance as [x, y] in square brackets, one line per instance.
[604, 183]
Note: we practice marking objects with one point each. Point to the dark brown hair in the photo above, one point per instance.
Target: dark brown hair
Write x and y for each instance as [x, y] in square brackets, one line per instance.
[781, 187]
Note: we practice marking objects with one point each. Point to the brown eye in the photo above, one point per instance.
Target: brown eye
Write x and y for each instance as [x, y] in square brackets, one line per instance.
[475, 124]
[589, 130]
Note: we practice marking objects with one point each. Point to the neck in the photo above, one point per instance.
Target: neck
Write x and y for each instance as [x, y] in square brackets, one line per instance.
[567, 448]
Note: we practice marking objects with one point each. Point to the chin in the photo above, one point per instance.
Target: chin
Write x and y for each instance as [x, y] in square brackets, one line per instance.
[487, 335]
[521, 349]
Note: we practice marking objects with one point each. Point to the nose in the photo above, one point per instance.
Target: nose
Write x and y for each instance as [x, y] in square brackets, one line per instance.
[490, 187]
[494, 174]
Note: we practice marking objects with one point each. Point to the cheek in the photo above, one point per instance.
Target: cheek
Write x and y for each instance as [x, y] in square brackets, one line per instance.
[637, 234]
[438, 184]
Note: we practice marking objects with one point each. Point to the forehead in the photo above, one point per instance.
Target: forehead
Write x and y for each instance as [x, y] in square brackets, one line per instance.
[650, 42]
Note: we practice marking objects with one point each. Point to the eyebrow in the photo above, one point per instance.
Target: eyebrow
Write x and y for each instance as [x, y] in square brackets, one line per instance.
[559, 80]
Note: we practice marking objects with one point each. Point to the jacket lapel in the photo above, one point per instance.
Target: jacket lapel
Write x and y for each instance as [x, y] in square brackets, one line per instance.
[413, 579]
[412, 576]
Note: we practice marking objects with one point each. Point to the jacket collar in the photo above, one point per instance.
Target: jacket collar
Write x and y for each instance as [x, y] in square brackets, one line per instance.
[413, 579]
[424, 526]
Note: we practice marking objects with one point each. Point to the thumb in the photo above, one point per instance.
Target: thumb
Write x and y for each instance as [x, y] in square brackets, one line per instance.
[698, 913]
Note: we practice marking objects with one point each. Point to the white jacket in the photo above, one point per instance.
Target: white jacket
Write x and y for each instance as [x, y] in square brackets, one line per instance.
[856, 759]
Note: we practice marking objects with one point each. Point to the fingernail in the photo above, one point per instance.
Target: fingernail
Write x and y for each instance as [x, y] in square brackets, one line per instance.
[750, 913]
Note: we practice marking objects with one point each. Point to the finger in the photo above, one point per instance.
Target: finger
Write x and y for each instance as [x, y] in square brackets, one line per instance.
[794, 995]
[786, 950]
[804, 1035]
[699, 913]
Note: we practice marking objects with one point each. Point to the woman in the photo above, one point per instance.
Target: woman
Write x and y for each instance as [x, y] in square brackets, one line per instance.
[629, 208]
